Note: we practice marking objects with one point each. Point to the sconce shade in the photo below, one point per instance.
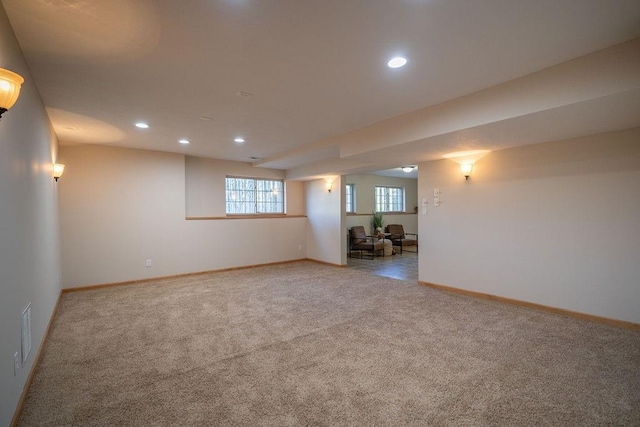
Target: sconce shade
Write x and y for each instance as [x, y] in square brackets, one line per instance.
[466, 169]
[329, 185]
[466, 159]
[58, 169]
[10, 83]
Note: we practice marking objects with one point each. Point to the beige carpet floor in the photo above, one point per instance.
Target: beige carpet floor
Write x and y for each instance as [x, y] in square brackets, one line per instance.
[307, 344]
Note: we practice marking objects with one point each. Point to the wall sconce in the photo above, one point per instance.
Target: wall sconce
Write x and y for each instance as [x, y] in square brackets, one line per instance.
[58, 169]
[10, 83]
[408, 169]
[466, 160]
[329, 185]
[466, 169]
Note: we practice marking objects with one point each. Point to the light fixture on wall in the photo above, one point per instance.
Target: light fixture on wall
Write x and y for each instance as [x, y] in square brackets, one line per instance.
[408, 169]
[10, 83]
[329, 185]
[58, 169]
[466, 160]
[466, 169]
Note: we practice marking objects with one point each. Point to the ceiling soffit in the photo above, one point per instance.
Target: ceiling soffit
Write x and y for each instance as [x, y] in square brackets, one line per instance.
[571, 92]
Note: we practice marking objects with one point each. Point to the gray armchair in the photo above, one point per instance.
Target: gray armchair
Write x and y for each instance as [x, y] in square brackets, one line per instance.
[360, 242]
[399, 238]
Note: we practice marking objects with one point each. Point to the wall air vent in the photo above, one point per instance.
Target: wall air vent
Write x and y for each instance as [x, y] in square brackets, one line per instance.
[25, 326]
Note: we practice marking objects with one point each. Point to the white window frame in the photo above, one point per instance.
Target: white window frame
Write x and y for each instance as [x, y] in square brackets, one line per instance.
[384, 199]
[254, 196]
[350, 197]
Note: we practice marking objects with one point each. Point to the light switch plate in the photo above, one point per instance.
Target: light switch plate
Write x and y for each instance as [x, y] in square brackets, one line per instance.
[436, 201]
[425, 202]
[436, 192]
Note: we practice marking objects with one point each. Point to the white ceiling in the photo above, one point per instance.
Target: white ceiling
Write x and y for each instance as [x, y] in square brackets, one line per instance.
[315, 69]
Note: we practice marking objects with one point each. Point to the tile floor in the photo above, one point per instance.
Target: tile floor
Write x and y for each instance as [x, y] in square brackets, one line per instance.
[403, 267]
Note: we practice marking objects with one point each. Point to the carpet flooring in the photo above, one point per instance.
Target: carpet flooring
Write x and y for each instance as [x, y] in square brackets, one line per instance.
[308, 344]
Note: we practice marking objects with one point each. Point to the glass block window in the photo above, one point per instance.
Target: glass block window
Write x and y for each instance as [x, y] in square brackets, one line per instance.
[389, 199]
[250, 196]
[350, 195]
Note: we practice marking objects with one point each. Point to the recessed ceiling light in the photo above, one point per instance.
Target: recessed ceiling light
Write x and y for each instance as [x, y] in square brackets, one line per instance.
[239, 140]
[256, 158]
[397, 62]
[142, 125]
[206, 118]
[184, 141]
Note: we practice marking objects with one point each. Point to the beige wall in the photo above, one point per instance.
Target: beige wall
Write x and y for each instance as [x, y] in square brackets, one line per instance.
[326, 239]
[554, 224]
[365, 201]
[29, 243]
[120, 207]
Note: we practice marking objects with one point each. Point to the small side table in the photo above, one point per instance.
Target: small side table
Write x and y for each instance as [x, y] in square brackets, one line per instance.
[388, 247]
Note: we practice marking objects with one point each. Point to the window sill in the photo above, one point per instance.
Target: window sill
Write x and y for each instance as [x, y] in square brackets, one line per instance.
[248, 216]
[384, 213]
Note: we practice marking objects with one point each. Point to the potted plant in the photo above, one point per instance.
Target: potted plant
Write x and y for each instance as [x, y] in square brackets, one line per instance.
[377, 221]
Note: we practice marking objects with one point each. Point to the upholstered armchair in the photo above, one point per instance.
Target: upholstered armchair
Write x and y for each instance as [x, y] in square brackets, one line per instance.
[399, 238]
[360, 242]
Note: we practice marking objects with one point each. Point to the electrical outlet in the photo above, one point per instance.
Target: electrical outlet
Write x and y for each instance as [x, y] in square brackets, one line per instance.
[16, 363]
[148, 263]
[299, 247]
